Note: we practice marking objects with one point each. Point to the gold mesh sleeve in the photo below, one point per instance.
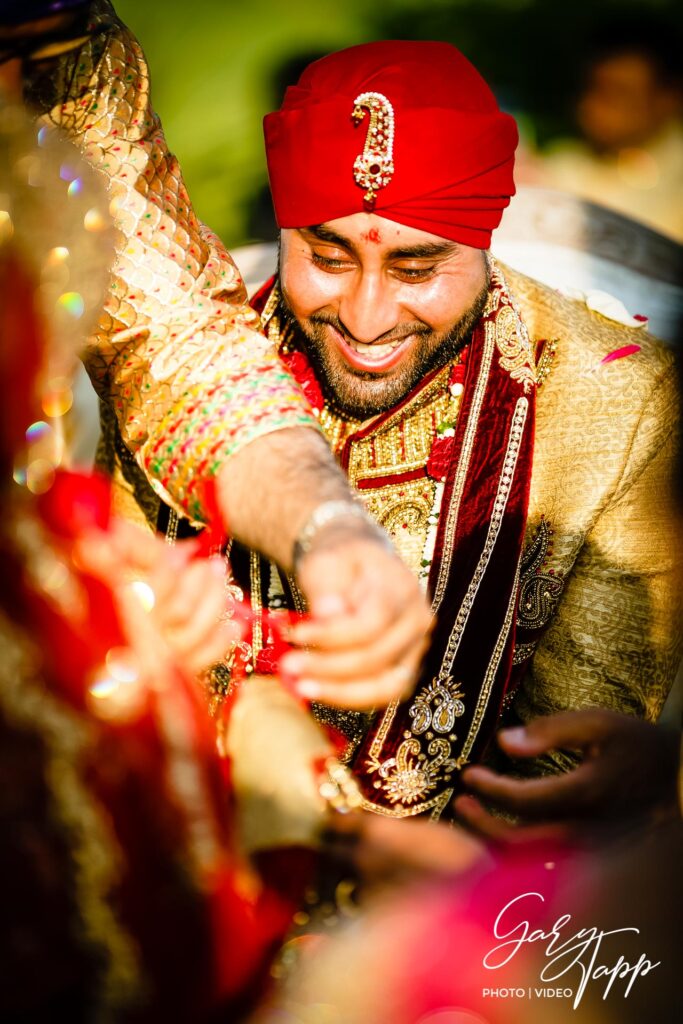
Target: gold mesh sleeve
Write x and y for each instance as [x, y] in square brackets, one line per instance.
[177, 352]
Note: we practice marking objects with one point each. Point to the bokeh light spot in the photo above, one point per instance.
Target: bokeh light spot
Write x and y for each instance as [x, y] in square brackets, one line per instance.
[72, 303]
[104, 688]
[122, 665]
[6, 226]
[144, 594]
[57, 402]
[58, 255]
[40, 476]
[67, 172]
[94, 221]
[37, 431]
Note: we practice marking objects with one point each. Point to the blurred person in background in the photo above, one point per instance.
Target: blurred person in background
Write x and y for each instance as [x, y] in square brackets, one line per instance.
[630, 116]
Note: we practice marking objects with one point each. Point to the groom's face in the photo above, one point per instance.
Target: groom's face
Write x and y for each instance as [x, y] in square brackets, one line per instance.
[378, 305]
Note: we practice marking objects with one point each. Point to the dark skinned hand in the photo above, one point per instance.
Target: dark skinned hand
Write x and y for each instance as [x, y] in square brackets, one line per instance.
[628, 770]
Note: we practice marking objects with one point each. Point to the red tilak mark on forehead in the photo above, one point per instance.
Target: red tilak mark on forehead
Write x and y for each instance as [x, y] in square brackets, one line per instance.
[373, 235]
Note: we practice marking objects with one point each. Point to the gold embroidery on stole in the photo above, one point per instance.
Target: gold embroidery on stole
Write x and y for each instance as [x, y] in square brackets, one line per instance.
[414, 772]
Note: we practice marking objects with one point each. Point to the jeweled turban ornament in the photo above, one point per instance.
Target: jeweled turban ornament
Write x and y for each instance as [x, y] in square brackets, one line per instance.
[374, 167]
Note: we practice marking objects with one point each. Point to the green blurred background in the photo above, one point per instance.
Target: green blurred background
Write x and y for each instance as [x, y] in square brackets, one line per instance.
[219, 65]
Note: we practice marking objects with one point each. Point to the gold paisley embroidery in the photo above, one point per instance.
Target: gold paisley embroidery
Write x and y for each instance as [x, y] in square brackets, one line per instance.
[522, 652]
[539, 592]
[514, 354]
[437, 706]
[412, 774]
[512, 338]
[435, 806]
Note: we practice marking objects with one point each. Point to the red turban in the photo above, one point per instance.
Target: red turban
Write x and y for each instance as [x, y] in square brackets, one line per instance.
[440, 157]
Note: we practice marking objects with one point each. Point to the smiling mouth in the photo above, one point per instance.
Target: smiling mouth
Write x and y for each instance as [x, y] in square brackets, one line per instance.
[374, 357]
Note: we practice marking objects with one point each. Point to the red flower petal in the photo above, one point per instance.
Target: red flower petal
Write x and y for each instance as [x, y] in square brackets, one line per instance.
[620, 353]
[297, 363]
[457, 374]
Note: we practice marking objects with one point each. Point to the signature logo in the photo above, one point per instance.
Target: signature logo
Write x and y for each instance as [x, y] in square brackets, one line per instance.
[567, 953]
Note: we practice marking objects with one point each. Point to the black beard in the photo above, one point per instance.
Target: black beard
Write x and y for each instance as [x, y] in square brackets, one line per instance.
[363, 394]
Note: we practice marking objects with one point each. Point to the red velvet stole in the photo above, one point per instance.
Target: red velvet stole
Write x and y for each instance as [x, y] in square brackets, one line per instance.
[409, 760]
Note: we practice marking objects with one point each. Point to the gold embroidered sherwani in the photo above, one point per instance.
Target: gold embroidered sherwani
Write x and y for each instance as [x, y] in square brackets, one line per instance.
[597, 619]
[604, 459]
